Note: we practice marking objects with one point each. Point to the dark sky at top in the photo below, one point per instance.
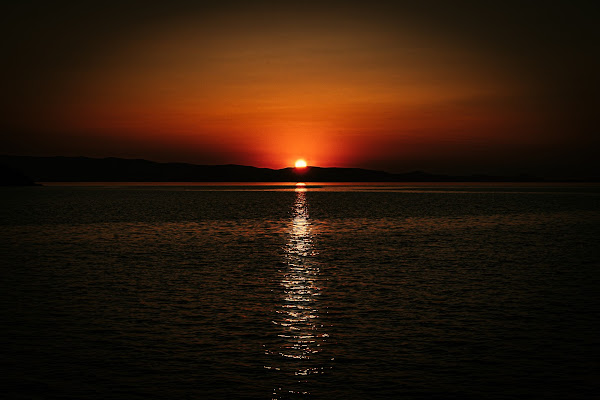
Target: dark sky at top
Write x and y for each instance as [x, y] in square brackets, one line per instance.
[465, 86]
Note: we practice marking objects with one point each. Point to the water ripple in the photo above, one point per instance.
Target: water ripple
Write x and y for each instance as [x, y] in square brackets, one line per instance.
[297, 355]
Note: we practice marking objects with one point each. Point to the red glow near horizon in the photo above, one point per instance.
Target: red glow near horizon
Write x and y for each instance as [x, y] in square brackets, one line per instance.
[344, 93]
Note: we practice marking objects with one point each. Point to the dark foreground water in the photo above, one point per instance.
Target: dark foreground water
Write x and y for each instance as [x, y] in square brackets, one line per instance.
[333, 292]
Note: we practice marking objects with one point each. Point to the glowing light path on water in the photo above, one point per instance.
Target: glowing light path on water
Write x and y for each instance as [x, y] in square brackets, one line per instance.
[301, 338]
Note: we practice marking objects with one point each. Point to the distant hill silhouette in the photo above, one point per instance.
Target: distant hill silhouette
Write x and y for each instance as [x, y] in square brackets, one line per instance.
[84, 169]
[9, 176]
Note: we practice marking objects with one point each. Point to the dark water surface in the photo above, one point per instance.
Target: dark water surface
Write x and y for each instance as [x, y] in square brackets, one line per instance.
[324, 292]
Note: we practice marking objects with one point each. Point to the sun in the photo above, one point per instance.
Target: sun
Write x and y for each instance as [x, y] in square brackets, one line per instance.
[300, 163]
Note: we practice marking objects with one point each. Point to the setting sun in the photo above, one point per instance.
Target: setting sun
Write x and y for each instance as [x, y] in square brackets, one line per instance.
[300, 164]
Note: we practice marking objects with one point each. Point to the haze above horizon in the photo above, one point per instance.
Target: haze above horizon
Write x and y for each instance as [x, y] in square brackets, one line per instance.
[456, 88]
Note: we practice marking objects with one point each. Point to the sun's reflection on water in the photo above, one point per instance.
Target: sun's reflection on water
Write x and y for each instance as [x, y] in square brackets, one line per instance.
[301, 337]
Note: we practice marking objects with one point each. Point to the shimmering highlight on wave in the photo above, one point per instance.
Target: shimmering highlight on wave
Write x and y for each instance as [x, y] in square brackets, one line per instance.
[297, 354]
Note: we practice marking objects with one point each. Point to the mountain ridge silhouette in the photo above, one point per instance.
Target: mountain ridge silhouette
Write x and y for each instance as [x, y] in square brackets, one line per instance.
[113, 169]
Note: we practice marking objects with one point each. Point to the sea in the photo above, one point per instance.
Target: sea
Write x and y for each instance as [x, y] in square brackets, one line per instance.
[300, 291]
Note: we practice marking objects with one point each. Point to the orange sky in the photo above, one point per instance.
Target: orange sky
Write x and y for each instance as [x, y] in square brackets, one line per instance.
[266, 86]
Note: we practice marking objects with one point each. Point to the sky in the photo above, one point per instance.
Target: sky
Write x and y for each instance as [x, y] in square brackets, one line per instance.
[446, 87]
